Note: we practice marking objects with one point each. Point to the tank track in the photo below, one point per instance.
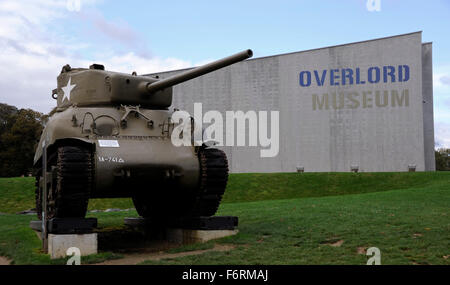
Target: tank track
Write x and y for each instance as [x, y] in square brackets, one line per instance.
[213, 181]
[37, 195]
[73, 175]
[204, 201]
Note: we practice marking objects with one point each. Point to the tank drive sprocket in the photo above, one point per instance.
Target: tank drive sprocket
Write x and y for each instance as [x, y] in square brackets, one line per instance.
[69, 190]
[206, 199]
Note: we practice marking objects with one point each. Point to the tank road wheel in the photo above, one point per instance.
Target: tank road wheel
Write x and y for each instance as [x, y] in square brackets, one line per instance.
[69, 190]
[204, 201]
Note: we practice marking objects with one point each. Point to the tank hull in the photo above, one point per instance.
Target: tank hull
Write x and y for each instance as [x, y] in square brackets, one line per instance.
[127, 160]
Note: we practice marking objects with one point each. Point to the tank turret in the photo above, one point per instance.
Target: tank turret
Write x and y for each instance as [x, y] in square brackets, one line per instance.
[95, 86]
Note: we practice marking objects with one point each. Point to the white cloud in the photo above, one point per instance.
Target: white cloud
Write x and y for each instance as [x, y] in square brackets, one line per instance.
[26, 54]
[442, 134]
[32, 53]
[132, 62]
[441, 78]
[441, 93]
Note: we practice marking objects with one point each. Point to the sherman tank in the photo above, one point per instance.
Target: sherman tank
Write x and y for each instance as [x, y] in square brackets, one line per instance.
[110, 137]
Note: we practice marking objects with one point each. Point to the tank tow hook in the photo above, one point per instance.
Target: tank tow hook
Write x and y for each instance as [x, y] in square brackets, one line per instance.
[122, 173]
[172, 174]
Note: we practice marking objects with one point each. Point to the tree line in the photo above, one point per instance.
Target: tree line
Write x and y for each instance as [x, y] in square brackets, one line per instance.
[20, 131]
[442, 157]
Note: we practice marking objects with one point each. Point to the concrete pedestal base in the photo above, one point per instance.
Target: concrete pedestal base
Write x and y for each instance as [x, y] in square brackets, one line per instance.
[188, 230]
[186, 236]
[59, 244]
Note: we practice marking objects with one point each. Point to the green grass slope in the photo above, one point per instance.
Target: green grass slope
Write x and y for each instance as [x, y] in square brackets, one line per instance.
[246, 187]
[17, 194]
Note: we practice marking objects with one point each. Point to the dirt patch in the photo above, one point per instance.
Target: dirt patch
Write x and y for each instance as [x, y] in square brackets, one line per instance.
[334, 242]
[4, 261]
[135, 258]
[361, 250]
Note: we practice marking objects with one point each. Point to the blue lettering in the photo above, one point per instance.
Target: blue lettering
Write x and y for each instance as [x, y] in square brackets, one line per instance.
[377, 75]
[350, 76]
[401, 77]
[347, 73]
[320, 80]
[334, 75]
[391, 73]
[302, 78]
[358, 77]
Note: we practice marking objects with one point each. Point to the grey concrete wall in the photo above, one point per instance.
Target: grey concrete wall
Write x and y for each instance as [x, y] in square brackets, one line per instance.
[367, 131]
[427, 92]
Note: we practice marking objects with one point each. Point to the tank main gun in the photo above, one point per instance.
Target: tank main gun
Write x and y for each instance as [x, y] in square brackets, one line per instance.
[152, 87]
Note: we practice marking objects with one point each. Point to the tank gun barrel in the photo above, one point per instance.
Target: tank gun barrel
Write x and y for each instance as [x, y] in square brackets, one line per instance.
[198, 71]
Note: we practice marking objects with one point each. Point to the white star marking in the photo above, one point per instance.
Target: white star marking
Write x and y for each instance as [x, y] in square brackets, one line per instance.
[66, 90]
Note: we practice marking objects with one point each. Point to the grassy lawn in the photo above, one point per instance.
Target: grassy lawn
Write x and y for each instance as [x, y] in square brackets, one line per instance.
[292, 219]
[16, 194]
[409, 226]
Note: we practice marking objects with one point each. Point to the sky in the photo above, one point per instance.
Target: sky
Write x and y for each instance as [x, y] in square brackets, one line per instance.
[38, 37]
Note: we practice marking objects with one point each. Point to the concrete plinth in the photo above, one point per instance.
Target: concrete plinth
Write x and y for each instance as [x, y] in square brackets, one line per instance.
[186, 236]
[58, 244]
